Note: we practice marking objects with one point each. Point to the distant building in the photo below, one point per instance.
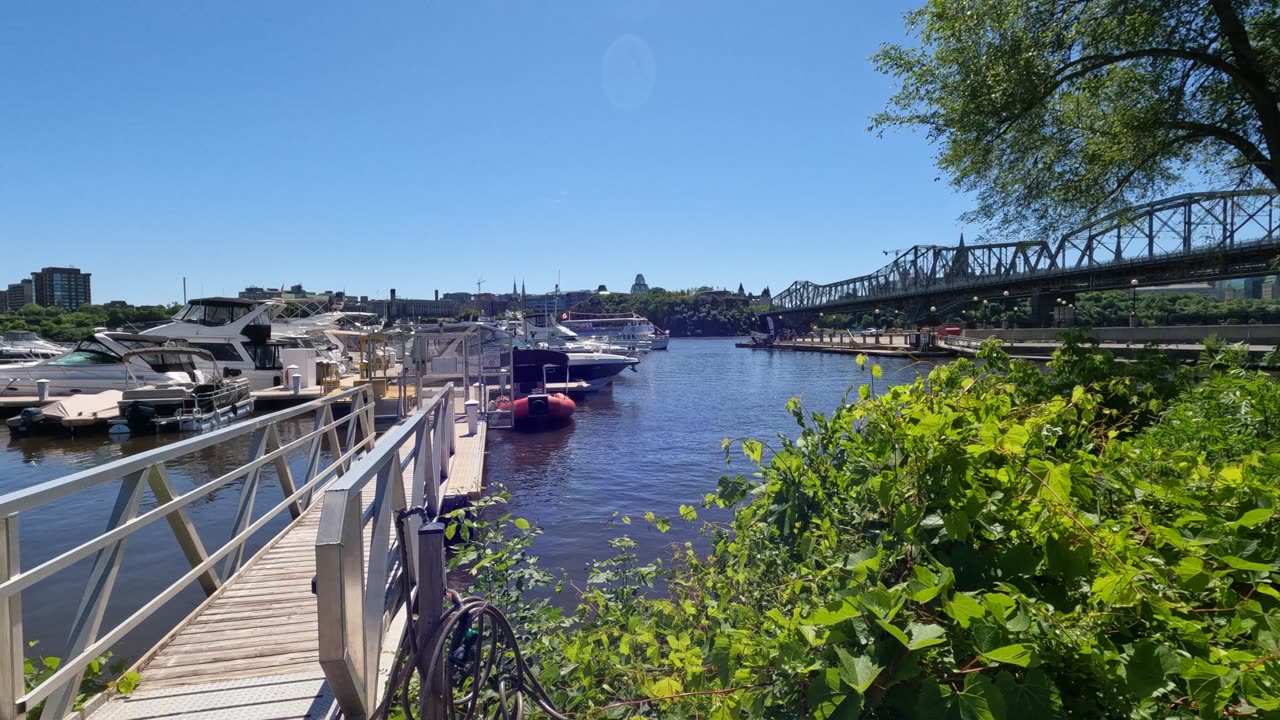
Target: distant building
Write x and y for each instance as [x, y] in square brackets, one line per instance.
[549, 302]
[409, 308]
[1204, 288]
[116, 305]
[462, 297]
[67, 288]
[1240, 289]
[296, 293]
[639, 287]
[19, 294]
[741, 292]
[1271, 287]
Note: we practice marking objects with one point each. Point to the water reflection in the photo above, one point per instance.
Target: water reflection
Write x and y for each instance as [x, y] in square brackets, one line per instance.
[151, 558]
[653, 442]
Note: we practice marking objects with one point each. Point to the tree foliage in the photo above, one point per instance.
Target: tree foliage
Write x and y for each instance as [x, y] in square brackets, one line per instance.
[58, 325]
[995, 541]
[1053, 110]
[682, 314]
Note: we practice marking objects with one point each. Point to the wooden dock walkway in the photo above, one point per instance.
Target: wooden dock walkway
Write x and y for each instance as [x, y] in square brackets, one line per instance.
[250, 651]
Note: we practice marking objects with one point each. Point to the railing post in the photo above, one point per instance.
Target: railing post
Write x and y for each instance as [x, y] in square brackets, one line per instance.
[451, 416]
[11, 641]
[431, 590]
[180, 522]
[442, 438]
[102, 579]
[340, 600]
[248, 492]
[283, 473]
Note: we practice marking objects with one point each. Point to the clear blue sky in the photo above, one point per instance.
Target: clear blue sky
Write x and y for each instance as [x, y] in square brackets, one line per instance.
[420, 145]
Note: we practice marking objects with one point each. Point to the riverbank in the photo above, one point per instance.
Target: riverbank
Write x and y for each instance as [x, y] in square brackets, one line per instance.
[1091, 539]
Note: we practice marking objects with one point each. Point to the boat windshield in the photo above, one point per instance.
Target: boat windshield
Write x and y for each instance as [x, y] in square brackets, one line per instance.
[134, 344]
[212, 314]
[21, 336]
[88, 352]
[169, 362]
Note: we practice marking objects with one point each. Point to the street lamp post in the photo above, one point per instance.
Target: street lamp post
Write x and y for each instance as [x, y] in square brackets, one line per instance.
[1133, 303]
[1005, 322]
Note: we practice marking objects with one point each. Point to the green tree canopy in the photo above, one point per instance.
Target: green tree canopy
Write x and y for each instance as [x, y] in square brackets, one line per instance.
[1053, 110]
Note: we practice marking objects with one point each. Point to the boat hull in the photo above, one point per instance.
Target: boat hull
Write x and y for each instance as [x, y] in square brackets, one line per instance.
[539, 410]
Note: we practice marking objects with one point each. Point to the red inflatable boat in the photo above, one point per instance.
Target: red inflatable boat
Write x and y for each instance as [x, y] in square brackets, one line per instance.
[538, 409]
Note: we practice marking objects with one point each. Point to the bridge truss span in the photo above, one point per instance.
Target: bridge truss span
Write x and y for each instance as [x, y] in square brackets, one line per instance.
[1187, 238]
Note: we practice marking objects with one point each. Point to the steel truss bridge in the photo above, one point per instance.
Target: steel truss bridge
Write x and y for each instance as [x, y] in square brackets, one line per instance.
[1188, 238]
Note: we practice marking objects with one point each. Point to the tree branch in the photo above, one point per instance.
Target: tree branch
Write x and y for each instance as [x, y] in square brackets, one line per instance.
[1259, 91]
[1097, 62]
[1245, 146]
[1138, 166]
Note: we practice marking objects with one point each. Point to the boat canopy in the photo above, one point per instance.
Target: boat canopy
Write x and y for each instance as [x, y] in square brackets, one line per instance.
[169, 359]
[215, 311]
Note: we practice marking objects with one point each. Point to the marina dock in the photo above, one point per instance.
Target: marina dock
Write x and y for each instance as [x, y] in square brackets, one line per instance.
[269, 640]
[907, 344]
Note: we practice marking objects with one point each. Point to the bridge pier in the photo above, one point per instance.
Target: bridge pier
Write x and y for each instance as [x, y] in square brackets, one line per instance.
[1042, 307]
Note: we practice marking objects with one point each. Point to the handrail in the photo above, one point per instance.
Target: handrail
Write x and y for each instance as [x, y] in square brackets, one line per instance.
[46, 492]
[354, 605]
[136, 474]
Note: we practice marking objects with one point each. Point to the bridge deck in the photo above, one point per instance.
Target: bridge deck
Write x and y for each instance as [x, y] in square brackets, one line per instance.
[251, 650]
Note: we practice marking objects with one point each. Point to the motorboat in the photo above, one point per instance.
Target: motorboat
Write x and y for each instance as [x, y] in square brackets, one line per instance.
[629, 331]
[201, 404]
[238, 334]
[545, 332]
[67, 414]
[24, 346]
[186, 397]
[97, 363]
[539, 407]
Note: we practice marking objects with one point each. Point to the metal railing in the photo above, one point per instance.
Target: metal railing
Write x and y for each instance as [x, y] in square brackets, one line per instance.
[960, 342]
[87, 639]
[356, 605]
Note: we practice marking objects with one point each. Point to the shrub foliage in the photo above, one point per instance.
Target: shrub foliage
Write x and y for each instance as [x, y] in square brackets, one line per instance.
[1098, 540]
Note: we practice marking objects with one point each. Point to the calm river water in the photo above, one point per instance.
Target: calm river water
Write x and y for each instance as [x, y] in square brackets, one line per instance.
[650, 443]
[653, 442]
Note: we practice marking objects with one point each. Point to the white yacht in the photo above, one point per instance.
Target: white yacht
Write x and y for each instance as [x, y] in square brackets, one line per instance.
[588, 362]
[630, 331]
[238, 334]
[544, 330]
[24, 346]
[100, 362]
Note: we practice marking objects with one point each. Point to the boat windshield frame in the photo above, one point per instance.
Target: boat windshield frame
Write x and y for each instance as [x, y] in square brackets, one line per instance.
[157, 355]
[215, 312]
